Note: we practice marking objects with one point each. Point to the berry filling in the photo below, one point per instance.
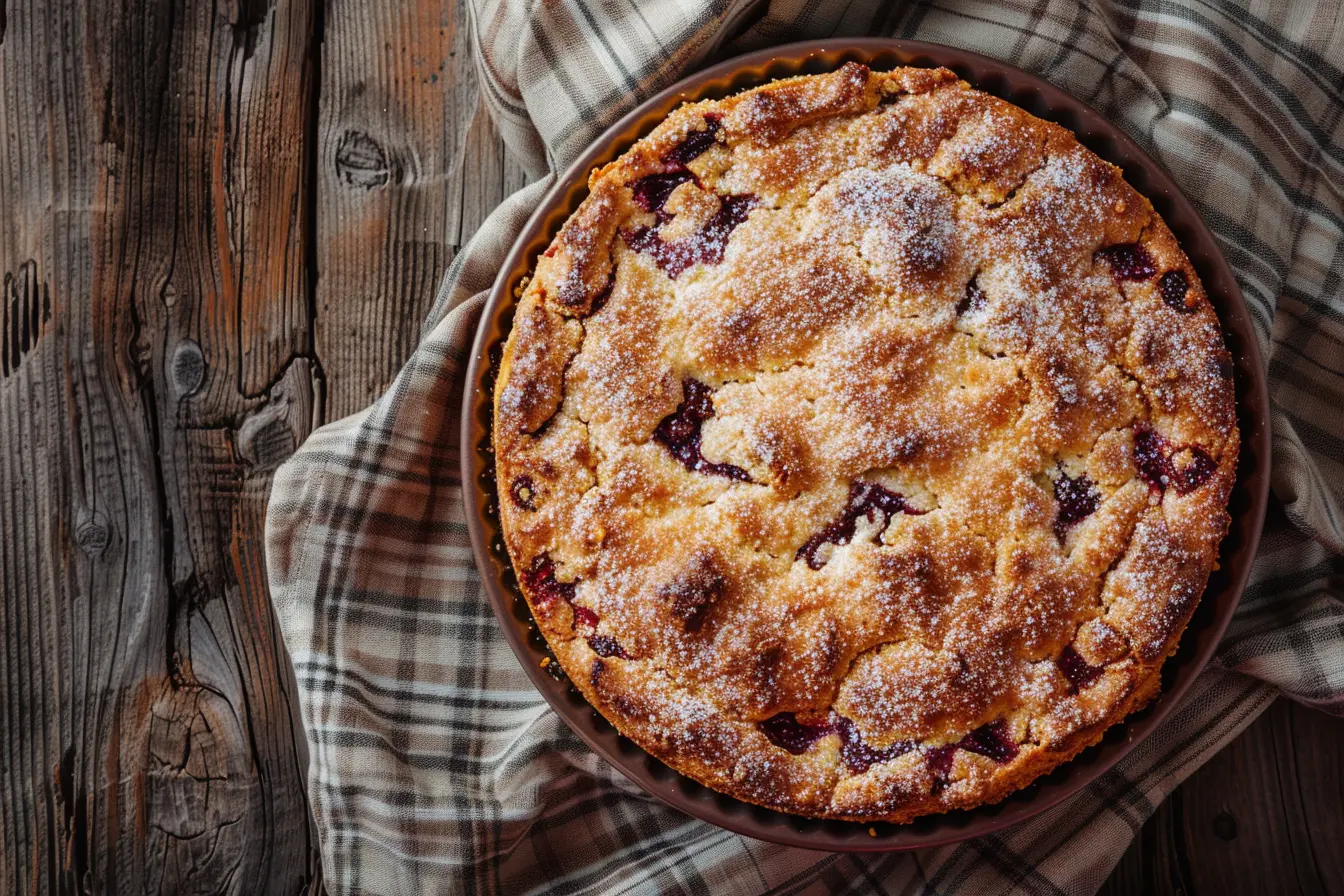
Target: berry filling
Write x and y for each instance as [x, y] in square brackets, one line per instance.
[866, 499]
[607, 647]
[523, 493]
[651, 193]
[974, 299]
[1174, 287]
[694, 144]
[705, 247]
[858, 754]
[1077, 499]
[541, 583]
[1153, 458]
[1077, 670]
[786, 732]
[679, 432]
[545, 590]
[1150, 458]
[1129, 261]
[991, 740]
[584, 616]
[939, 761]
[1194, 474]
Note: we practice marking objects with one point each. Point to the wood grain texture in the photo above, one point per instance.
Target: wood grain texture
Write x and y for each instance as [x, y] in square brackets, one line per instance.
[152, 195]
[396, 103]
[1265, 815]
[220, 226]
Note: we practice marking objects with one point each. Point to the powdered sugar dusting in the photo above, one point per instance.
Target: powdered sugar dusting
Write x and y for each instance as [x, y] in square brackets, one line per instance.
[869, 404]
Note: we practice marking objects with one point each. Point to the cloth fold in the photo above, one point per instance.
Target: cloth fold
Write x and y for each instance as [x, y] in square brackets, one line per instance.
[434, 765]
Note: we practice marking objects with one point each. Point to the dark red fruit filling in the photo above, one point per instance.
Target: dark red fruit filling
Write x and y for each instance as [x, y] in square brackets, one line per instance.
[1174, 287]
[857, 753]
[1077, 499]
[523, 494]
[939, 761]
[608, 647]
[974, 299]
[584, 616]
[1129, 261]
[1196, 473]
[695, 144]
[545, 590]
[1153, 458]
[786, 732]
[651, 192]
[705, 247]
[866, 499]
[1150, 458]
[679, 432]
[991, 740]
[1077, 670]
[541, 583]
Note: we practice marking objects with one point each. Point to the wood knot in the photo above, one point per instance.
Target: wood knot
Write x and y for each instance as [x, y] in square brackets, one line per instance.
[188, 368]
[1225, 826]
[93, 534]
[266, 438]
[362, 162]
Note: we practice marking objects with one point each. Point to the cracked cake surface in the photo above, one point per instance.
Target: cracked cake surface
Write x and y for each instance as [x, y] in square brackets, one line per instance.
[864, 444]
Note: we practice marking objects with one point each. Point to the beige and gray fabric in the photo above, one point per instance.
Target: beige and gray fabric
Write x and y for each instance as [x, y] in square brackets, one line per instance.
[436, 768]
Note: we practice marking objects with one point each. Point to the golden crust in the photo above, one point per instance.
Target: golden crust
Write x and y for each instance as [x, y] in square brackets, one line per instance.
[864, 444]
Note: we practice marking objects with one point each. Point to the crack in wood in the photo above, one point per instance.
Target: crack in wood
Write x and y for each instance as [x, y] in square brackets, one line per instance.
[25, 311]
[250, 17]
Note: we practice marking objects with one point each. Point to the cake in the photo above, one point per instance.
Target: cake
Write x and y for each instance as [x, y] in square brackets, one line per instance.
[863, 444]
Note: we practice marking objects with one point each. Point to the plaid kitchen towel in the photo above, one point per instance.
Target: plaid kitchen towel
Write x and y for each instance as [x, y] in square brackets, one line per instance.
[435, 767]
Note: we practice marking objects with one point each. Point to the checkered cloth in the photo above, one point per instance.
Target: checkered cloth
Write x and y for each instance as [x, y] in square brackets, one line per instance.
[435, 767]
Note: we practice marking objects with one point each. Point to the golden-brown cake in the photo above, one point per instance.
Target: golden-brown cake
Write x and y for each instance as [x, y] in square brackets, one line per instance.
[864, 444]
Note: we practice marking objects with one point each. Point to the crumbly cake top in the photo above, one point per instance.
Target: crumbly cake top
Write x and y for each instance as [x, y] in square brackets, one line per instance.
[863, 444]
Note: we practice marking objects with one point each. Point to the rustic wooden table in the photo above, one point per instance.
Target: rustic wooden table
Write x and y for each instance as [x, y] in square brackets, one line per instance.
[221, 225]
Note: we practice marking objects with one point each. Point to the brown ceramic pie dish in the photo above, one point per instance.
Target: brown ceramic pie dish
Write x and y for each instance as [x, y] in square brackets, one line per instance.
[1245, 505]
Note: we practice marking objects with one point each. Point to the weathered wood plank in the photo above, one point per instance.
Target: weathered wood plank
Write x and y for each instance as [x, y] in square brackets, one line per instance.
[1268, 809]
[398, 98]
[1263, 816]
[152, 227]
